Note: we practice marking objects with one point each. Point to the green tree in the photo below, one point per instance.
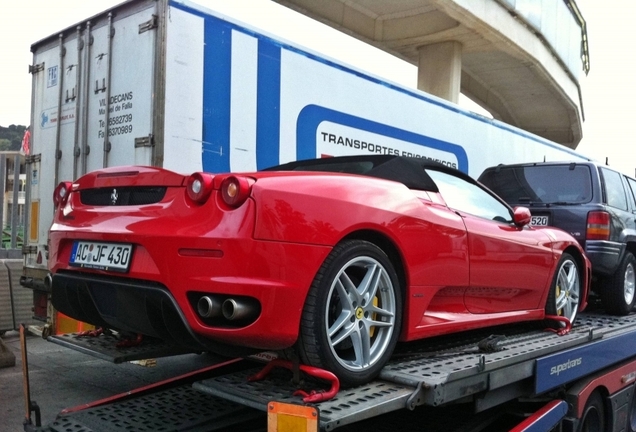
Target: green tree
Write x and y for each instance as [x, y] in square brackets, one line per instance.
[5, 144]
[13, 134]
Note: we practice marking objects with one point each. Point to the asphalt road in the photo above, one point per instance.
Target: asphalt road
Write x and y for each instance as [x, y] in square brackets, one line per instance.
[62, 378]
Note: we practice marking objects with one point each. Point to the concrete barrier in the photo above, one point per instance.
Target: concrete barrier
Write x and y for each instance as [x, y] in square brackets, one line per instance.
[15, 304]
[7, 320]
[16, 301]
[7, 316]
[22, 297]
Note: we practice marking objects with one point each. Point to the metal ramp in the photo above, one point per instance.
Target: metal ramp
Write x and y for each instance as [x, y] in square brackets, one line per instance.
[349, 405]
[178, 409]
[445, 370]
[105, 346]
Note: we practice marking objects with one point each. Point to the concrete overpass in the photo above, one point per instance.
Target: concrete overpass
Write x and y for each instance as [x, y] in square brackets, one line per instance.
[520, 60]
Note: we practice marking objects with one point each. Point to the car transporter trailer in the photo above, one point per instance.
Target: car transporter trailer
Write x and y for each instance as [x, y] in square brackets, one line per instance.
[518, 378]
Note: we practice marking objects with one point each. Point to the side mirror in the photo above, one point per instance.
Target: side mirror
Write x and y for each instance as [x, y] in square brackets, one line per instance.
[522, 216]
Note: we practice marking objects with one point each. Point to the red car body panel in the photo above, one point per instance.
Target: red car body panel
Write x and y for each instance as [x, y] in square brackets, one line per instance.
[459, 271]
[272, 274]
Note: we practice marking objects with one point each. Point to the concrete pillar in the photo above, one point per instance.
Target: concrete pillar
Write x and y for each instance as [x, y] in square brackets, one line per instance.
[440, 69]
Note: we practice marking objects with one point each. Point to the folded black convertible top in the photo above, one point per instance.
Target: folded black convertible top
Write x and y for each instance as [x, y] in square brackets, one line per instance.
[406, 170]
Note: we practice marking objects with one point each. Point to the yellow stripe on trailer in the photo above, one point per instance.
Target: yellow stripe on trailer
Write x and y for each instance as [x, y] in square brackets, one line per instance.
[34, 221]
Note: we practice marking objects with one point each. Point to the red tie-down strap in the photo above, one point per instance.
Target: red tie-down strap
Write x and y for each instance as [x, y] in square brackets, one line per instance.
[91, 333]
[564, 330]
[313, 396]
[126, 341]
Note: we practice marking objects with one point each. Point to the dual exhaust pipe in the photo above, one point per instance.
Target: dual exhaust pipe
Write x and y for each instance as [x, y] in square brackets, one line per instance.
[232, 309]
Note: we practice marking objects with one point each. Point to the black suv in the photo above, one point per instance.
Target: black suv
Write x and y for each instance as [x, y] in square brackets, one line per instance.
[593, 203]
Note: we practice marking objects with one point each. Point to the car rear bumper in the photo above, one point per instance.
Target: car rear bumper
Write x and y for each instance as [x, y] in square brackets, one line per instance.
[104, 301]
[605, 256]
[274, 276]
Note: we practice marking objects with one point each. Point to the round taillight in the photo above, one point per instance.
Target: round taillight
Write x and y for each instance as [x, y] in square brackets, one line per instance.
[61, 194]
[199, 187]
[235, 190]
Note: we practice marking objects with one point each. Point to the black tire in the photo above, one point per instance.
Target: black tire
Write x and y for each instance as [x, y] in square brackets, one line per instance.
[618, 291]
[631, 417]
[593, 419]
[365, 328]
[564, 297]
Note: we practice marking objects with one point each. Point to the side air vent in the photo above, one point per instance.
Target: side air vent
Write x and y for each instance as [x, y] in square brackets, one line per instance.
[123, 196]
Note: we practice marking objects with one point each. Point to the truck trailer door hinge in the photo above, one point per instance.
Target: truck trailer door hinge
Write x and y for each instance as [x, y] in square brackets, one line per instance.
[26, 250]
[33, 158]
[146, 141]
[149, 25]
[38, 67]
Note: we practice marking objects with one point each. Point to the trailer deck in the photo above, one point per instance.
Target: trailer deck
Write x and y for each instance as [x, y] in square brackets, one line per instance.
[487, 368]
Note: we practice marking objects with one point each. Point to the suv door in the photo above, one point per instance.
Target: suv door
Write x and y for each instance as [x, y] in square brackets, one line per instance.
[620, 206]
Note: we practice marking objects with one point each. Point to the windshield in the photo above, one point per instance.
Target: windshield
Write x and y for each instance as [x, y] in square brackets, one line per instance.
[540, 184]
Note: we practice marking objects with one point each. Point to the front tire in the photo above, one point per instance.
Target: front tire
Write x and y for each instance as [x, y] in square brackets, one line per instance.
[565, 292]
[618, 291]
[352, 315]
[593, 419]
[631, 417]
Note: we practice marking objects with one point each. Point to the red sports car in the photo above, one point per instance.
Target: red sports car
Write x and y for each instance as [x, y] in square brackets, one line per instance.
[338, 258]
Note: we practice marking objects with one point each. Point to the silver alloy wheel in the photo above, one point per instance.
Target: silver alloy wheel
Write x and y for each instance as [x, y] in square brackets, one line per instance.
[629, 284]
[568, 290]
[360, 317]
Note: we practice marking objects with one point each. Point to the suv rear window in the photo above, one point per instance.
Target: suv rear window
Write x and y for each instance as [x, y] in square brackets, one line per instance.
[544, 184]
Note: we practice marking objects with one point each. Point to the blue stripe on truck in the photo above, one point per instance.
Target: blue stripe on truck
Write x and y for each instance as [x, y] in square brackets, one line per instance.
[217, 54]
[268, 105]
[217, 99]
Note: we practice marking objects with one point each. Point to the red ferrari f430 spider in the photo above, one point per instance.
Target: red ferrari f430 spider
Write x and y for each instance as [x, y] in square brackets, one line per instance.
[337, 258]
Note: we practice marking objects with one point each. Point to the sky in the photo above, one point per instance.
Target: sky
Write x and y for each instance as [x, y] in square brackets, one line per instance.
[608, 90]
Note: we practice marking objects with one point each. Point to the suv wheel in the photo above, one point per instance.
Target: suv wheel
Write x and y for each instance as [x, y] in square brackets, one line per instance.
[618, 291]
